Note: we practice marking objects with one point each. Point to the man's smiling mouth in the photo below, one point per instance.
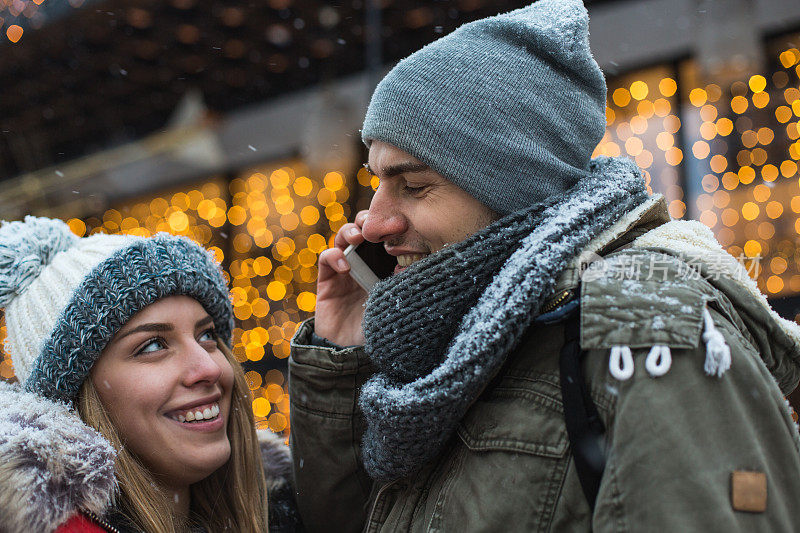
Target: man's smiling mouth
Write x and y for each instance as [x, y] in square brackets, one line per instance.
[408, 259]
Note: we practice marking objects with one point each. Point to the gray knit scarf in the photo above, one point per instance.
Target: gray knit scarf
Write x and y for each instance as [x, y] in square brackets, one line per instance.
[439, 331]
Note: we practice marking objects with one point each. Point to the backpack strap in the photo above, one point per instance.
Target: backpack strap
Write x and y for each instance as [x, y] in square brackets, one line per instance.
[584, 427]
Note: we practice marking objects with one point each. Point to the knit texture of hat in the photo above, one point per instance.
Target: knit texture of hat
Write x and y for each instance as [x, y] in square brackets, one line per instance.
[509, 108]
[65, 297]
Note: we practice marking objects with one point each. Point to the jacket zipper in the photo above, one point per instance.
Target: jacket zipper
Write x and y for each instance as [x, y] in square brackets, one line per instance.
[102, 523]
[375, 503]
[557, 301]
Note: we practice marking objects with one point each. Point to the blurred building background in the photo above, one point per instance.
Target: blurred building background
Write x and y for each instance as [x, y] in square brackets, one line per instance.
[236, 123]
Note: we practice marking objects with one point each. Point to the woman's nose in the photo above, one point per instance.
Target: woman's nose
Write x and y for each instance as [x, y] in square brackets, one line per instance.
[201, 367]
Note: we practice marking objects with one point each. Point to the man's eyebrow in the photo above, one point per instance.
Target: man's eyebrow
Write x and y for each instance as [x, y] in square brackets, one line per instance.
[408, 167]
[203, 322]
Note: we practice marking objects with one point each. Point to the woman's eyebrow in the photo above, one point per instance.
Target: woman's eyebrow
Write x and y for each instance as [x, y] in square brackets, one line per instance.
[160, 326]
[146, 327]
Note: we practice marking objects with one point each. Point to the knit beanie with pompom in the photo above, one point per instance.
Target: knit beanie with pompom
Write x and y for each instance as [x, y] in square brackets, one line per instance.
[65, 297]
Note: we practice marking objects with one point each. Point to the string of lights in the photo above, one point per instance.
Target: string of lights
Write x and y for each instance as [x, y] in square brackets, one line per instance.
[725, 155]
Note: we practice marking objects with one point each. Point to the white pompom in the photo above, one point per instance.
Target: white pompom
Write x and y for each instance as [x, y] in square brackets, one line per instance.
[26, 248]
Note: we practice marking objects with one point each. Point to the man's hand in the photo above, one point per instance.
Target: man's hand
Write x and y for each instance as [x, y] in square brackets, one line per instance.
[340, 300]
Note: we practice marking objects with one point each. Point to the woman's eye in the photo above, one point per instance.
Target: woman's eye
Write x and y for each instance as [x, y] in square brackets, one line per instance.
[153, 345]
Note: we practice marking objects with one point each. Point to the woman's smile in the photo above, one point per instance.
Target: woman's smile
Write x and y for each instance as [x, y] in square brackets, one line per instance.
[169, 389]
[205, 418]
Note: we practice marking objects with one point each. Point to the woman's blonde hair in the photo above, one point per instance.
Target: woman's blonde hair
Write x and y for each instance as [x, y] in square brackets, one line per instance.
[234, 498]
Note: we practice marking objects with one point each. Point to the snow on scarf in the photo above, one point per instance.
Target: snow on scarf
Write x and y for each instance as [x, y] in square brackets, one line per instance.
[439, 331]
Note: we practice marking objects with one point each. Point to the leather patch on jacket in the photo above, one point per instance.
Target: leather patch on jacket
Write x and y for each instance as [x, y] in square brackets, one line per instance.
[749, 491]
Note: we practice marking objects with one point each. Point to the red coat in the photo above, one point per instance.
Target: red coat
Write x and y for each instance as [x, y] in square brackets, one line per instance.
[80, 523]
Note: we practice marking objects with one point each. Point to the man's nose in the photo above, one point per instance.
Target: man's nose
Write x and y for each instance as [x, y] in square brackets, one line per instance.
[385, 219]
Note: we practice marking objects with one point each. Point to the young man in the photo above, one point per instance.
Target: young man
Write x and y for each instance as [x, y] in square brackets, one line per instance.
[491, 384]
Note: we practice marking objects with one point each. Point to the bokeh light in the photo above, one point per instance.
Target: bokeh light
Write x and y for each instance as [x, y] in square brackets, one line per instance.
[726, 154]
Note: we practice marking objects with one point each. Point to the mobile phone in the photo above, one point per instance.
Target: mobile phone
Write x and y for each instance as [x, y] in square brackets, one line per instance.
[369, 263]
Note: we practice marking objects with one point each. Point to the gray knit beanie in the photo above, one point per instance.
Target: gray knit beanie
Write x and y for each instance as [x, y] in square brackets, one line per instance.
[65, 297]
[509, 108]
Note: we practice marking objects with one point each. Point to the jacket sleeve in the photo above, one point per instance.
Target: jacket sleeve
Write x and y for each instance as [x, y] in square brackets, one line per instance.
[674, 443]
[332, 487]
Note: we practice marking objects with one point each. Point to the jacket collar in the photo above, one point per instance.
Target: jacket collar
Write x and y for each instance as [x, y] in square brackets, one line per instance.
[650, 214]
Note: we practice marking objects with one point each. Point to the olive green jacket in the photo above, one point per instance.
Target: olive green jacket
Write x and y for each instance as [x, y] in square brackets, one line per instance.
[673, 442]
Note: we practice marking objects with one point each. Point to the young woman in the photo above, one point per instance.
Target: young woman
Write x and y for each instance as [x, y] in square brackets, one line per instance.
[130, 413]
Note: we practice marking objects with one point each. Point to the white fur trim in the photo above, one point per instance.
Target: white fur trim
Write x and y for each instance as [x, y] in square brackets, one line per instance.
[692, 237]
[51, 464]
[276, 459]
